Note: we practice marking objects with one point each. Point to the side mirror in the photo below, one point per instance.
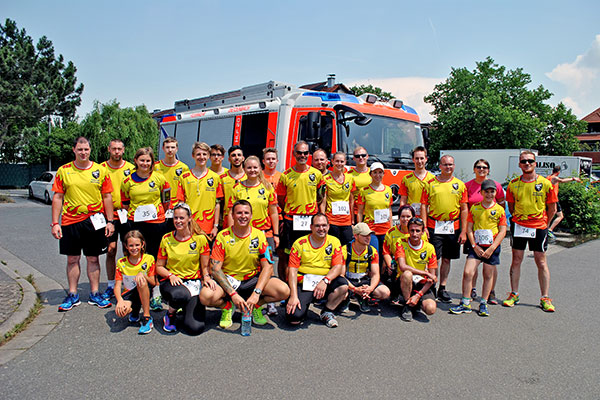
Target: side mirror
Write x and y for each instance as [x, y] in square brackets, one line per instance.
[425, 136]
[313, 125]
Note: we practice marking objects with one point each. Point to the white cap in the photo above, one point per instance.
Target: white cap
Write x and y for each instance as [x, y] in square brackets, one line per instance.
[377, 165]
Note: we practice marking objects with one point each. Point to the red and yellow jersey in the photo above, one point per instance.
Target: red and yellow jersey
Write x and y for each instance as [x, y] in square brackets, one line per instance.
[300, 191]
[443, 200]
[530, 199]
[422, 257]
[183, 257]
[126, 271]
[173, 174]
[359, 263]
[228, 183]
[338, 193]
[317, 261]
[117, 176]
[140, 192]
[390, 242]
[82, 189]
[240, 255]
[361, 181]
[375, 201]
[273, 179]
[201, 195]
[260, 199]
[487, 218]
[412, 187]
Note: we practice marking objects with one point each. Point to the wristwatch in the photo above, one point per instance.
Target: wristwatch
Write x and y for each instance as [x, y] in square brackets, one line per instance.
[257, 291]
[326, 280]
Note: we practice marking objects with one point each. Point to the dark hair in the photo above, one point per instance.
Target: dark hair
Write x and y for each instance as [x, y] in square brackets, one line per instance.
[419, 148]
[416, 221]
[241, 203]
[556, 169]
[218, 147]
[234, 148]
[80, 139]
[319, 214]
[114, 141]
[406, 207]
[481, 160]
[136, 235]
[144, 151]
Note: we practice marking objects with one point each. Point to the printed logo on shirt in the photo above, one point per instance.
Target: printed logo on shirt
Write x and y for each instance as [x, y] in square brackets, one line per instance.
[210, 182]
[96, 174]
[347, 186]
[538, 187]
[329, 249]
[254, 243]
[455, 186]
[127, 172]
[261, 191]
[178, 171]
[152, 184]
[312, 177]
[144, 266]
[423, 255]
[493, 212]
[387, 196]
[193, 245]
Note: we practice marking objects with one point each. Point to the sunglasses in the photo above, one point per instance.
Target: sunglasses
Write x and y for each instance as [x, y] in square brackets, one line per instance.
[481, 167]
[527, 161]
[362, 155]
[302, 153]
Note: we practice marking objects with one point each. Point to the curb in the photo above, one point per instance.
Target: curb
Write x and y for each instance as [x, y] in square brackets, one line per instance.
[47, 319]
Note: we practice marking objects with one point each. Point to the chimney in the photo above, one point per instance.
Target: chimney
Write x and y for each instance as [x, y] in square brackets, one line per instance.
[330, 80]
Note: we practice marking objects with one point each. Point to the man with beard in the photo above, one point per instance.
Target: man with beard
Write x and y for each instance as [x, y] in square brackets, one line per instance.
[231, 177]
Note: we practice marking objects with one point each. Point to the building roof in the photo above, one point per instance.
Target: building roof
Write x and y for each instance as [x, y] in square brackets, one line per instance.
[592, 117]
[322, 87]
[588, 137]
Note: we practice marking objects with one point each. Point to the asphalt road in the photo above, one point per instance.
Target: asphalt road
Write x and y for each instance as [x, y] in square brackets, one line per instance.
[515, 353]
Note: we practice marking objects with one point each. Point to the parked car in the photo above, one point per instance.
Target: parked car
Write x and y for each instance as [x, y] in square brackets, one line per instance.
[41, 188]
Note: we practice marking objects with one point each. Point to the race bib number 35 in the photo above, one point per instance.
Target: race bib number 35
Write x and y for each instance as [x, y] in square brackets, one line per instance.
[145, 213]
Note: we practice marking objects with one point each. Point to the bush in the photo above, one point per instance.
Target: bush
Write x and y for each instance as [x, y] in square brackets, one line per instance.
[581, 206]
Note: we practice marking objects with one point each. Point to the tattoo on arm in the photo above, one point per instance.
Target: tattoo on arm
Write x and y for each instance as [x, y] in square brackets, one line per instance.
[219, 276]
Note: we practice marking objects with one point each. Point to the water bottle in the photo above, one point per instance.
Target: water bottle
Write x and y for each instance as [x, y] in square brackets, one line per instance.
[246, 323]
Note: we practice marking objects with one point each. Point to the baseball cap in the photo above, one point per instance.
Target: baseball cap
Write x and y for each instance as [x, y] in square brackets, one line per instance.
[488, 184]
[361, 229]
[377, 165]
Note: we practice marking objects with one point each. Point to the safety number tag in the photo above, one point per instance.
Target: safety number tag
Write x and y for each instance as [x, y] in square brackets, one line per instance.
[129, 282]
[301, 223]
[311, 281]
[193, 286]
[233, 282]
[122, 213]
[169, 213]
[524, 232]
[484, 236]
[444, 227]
[417, 208]
[417, 278]
[98, 221]
[340, 208]
[382, 215]
[145, 213]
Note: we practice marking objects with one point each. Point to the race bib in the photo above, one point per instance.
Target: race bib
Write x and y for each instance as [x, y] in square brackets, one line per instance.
[418, 279]
[169, 213]
[193, 286]
[129, 282]
[310, 282]
[122, 213]
[233, 282]
[417, 208]
[145, 213]
[340, 208]
[98, 221]
[484, 236]
[382, 215]
[444, 227]
[301, 223]
[355, 275]
[524, 232]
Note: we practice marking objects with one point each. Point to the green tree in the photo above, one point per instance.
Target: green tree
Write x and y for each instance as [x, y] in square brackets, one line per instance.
[56, 144]
[34, 84]
[134, 126]
[384, 96]
[493, 108]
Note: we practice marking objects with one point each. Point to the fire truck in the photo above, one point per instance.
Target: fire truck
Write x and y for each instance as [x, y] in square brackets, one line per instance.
[276, 114]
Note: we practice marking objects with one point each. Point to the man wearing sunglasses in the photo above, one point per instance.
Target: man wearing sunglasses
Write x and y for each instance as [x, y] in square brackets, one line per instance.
[532, 202]
[360, 173]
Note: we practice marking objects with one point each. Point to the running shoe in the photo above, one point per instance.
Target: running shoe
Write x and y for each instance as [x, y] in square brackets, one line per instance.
[146, 326]
[492, 299]
[108, 293]
[168, 325]
[473, 294]
[396, 301]
[406, 314]
[483, 310]
[546, 304]
[443, 296]
[257, 316]
[70, 301]
[134, 319]
[551, 237]
[343, 305]
[329, 319]
[227, 317]
[156, 304]
[511, 301]
[364, 305]
[271, 310]
[373, 302]
[96, 299]
[460, 309]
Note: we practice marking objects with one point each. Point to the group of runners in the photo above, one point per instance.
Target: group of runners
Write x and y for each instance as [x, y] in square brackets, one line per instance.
[205, 236]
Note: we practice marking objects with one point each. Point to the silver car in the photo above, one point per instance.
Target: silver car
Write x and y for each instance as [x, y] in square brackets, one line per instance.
[41, 188]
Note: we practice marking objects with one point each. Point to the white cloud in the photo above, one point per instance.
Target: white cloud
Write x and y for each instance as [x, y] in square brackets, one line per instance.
[410, 90]
[581, 79]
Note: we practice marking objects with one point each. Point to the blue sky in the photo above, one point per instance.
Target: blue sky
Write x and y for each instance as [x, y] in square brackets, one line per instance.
[154, 53]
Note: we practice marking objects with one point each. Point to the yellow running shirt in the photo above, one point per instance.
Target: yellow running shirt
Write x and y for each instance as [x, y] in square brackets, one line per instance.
[487, 218]
[201, 195]
[228, 184]
[183, 257]
[390, 242]
[530, 199]
[338, 199]
[240, 255]
[260, 199]
[82, 189]
[412, 187]
[127, 271]
[359, 263]
[145, 193]
[316, 261]
[117, 176]
[444, 200]
[300, 191]
[377, 203]
[173, 174]
[422, 258]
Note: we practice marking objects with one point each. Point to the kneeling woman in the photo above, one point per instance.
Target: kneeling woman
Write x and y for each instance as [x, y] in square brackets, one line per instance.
[182, 261]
